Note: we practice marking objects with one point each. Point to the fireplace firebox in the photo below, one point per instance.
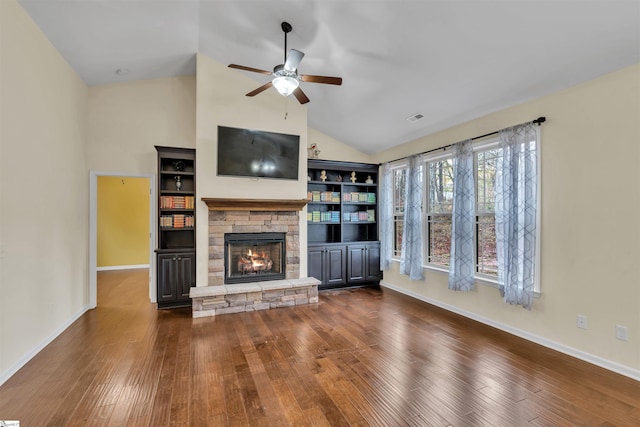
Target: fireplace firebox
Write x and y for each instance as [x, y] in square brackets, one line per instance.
[251, 257]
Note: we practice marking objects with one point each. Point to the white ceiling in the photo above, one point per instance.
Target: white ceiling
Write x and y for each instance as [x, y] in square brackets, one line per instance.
[452, 61]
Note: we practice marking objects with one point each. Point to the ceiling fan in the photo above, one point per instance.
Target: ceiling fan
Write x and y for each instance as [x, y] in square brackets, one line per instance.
[286, 79]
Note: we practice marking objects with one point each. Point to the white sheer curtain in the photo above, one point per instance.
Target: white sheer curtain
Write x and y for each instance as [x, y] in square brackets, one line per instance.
[516, 200]
[462, 260]
[411, 257]
[385, 216]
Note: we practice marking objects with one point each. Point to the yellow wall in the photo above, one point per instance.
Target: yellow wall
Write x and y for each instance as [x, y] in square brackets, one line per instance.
[590, 241]
[123, 221]
[44, 206]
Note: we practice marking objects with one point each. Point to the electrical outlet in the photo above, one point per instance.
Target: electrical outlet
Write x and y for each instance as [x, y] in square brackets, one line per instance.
[622, 333]
[581, 321]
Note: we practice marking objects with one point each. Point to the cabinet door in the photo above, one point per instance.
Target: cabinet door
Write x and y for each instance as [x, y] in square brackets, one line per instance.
[336, 268]
[186, 274]
[167, 276]
[356, 263]
[373, 262]
[315, 263]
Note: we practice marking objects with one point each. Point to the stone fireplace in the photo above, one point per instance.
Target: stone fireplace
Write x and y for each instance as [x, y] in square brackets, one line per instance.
[254, 257]
[253, 217]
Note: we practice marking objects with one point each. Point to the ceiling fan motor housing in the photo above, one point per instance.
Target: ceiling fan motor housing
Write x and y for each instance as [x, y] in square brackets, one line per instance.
[280, 71]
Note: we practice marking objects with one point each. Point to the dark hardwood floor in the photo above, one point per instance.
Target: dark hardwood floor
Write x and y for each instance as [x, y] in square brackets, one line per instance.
[358, 357]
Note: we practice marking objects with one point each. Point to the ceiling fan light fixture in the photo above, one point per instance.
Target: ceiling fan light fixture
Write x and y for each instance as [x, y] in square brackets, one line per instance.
[285, 85]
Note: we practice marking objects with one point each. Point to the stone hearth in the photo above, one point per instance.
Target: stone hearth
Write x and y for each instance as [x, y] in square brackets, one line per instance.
[241, 297]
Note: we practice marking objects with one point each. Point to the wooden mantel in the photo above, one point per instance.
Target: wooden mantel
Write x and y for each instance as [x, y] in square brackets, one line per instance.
[254, 204]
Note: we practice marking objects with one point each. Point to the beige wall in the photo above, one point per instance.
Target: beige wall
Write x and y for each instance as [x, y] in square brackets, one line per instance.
[332, 149]
[126, 120]
[590, 242]
[43, 191]
[221, 101]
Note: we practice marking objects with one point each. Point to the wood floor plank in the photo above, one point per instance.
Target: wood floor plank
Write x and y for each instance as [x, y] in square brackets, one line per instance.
[364, 356]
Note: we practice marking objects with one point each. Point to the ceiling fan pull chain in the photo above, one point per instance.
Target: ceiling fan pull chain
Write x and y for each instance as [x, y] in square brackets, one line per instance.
[286, 108]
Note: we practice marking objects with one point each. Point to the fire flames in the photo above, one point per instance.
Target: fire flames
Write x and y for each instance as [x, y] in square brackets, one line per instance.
[254, 262]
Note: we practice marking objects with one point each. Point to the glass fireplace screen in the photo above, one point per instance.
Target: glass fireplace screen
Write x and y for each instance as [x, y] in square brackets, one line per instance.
[251, 257]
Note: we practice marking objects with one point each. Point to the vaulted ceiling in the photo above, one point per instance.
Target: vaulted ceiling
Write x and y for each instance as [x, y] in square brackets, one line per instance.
[451, 61]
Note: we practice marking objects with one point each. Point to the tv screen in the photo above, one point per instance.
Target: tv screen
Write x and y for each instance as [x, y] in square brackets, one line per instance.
[256, 153]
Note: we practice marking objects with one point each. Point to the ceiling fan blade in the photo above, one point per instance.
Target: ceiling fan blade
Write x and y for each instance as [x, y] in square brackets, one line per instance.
[321, 79]
[260, 89]
[293, 60]
[300, 96]
[255, 70]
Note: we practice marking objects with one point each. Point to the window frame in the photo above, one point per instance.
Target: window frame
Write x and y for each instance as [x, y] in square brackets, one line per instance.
[426, 213]
[394, 167]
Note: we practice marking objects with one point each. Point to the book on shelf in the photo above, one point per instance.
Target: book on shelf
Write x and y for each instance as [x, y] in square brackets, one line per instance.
[323, 196]
[177, 221]
[176, 202]
[166, 221]
[357, 197]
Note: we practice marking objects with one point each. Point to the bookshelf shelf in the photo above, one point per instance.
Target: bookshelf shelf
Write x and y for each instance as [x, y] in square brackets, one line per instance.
[176, 250]
[342, 228]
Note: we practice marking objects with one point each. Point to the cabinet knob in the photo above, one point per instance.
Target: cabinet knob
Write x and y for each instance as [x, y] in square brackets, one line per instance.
[179, 258]
[174, 258]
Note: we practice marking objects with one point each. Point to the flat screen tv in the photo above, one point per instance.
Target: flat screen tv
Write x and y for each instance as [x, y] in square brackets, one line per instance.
[256, 153]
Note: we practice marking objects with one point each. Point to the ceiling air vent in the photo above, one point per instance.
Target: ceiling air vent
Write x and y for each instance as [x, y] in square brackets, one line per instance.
[414, 118]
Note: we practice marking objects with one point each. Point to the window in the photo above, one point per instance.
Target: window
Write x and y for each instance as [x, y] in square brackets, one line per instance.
[399, 185]
[439, 209]
[485, 168]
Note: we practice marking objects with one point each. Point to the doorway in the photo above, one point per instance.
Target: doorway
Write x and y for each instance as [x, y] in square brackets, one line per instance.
[111, 259]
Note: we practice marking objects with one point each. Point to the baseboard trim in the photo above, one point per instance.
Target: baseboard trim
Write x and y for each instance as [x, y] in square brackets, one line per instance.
[30, 355]
[122, 267]
[579, 354]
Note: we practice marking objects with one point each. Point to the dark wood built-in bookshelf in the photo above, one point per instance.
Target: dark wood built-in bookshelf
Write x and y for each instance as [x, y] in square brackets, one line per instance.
[176, 251]
[342, 213]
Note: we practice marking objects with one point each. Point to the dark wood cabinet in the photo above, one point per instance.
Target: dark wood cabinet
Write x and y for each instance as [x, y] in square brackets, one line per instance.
[176, 275]
[328, 263]
[342, 214]
[363, 262]
[176, 251]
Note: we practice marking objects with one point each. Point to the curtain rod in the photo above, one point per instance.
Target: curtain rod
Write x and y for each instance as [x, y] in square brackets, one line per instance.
[537, 121]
